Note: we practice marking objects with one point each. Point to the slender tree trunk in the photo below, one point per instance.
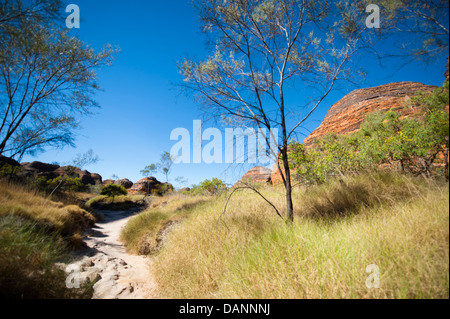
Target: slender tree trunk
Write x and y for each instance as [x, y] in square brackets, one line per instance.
[445, 153]
[287, 171]
[288, 186]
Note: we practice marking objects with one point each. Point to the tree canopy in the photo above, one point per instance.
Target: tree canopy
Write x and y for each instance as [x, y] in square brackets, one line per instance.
[47, 78]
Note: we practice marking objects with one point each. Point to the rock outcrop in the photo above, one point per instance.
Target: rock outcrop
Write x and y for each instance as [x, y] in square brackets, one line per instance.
[347, 115]
[50, 171]
[256, 175]
[108, 181]
[125, 182]
[8, 161]
[149, 185]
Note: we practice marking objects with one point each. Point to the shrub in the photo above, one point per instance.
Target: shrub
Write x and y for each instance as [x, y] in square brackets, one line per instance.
[113, 190]
[209, 187]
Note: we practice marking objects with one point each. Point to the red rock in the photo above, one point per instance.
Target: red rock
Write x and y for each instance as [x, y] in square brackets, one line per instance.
[148, 185]
[108, 181]
[125, 182]
[256, 175]
[347, 115]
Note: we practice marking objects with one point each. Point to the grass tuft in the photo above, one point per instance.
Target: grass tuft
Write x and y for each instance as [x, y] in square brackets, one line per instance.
[399, 223]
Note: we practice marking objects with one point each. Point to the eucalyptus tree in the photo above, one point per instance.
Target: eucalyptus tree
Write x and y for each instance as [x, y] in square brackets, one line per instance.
[420, 28]
[263, 48]
[47, 78]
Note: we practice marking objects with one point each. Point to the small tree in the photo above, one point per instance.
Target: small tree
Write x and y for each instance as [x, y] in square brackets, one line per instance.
[264, 48]
[165, 164]
[113, 190]
[85, 159]
[47, 78]
[149, 170]
[210, 187]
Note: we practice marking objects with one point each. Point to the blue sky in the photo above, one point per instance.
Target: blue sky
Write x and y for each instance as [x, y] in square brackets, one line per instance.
[140, 106]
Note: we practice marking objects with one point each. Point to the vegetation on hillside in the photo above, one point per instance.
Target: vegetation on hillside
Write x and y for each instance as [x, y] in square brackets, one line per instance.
[35, 233]
[411, 144]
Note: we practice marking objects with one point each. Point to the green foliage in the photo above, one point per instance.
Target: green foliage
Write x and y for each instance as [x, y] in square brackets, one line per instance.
[85, 159]
[58, 184]
[72, 184]
[112, 190]
[410, 143]
[149, 170]
[28, 253]
[414, 142]
[8, 170]
[209, 187]
[122, 202]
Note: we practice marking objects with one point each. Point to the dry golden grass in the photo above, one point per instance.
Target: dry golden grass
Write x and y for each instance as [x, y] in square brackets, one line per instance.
[399, 224]
[35, 233]
[143, 229]
[66, 220]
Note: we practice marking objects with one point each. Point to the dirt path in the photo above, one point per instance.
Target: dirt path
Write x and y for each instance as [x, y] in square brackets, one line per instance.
[119, 274]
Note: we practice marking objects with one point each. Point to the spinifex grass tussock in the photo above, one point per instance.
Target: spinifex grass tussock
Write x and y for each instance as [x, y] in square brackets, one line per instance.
[140, 233]
[398, 223]
[35, 233]
[122, 202]
[65, 220]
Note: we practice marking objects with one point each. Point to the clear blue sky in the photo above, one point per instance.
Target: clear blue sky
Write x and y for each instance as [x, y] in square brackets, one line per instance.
[140, 106]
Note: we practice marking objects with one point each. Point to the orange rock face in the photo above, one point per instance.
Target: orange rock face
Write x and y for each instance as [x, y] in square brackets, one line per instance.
[347, 115]
[256, 175]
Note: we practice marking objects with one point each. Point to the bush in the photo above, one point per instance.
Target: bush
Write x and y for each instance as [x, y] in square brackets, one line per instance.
[209, 187]
[413, 144]
[121, 202]
[113, 190]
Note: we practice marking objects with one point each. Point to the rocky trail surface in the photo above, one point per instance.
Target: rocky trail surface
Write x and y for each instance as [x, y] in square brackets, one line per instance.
[117, 274]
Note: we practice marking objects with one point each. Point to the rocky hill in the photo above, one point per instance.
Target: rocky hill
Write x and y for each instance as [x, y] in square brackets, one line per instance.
[346, 115]
[50, 171]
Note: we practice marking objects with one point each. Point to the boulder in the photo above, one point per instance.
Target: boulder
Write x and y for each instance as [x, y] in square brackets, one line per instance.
[40, 167]
[149, 185]
[97, 178]
[256, 175]
[108, 181]
[9, 161]
[125, 182]
[347, 115]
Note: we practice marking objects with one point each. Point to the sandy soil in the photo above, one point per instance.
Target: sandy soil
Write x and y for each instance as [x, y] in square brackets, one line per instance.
[120, 275]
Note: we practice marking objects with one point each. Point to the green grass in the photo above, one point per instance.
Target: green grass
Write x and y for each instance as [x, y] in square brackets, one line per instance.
[35, 233]
[141, 232]
[399, 223]
[122, 202]
[28, 253]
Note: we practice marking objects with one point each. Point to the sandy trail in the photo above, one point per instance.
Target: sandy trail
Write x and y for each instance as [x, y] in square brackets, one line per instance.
[120, 275]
